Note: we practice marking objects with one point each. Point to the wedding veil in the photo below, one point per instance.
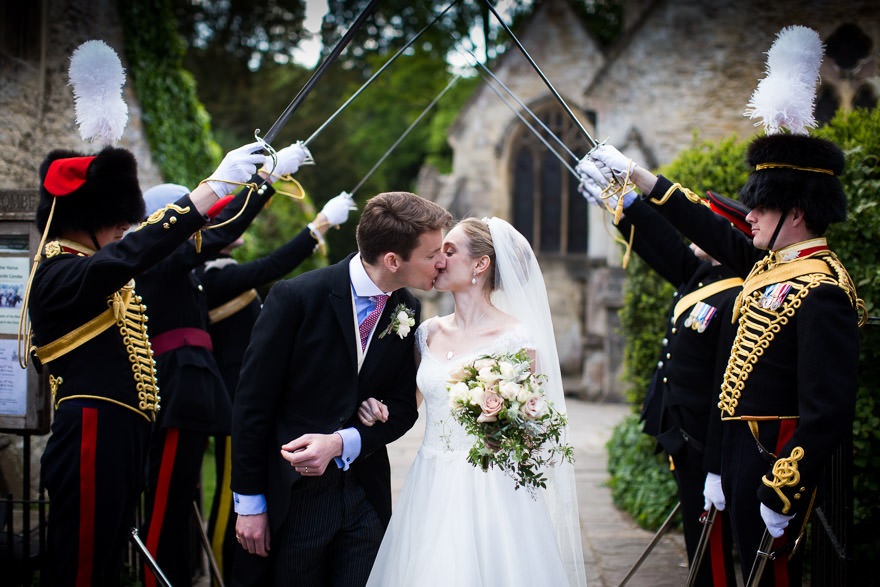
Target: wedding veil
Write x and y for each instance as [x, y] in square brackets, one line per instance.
[520, 291]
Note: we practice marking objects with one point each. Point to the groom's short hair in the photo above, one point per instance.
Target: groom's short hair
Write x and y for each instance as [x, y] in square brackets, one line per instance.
[394, 221]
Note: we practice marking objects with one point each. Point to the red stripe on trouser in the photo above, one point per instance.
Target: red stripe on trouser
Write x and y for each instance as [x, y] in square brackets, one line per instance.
[169, 453]
[780, 565]
[716, 553]
[87, 474]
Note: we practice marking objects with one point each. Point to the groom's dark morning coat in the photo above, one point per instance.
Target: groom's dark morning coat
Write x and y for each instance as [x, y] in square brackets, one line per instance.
[300, 376]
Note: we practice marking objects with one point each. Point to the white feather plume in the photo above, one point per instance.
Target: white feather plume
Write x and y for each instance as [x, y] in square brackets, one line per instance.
[786, 97]
[97, 77]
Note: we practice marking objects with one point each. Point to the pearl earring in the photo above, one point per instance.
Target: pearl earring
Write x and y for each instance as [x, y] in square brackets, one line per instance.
[474, 278]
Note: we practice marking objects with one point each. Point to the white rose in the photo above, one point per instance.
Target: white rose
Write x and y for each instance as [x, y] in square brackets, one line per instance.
[403, 328]
[459, 393]
[509, 390]
[481, 364]
[508, 369]
[487, 375]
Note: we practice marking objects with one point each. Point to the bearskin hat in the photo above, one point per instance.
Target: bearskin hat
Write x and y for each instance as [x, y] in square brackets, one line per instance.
[797, 171]
[90, 192]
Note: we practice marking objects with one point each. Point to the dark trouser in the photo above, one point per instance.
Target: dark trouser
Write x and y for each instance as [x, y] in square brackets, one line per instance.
[331, 534]
[93, 471]
[717, 565]
[173, 473]
[742, 467]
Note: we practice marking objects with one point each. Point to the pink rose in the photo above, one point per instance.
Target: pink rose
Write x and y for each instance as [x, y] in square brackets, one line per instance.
[535, 407]
[491, 404]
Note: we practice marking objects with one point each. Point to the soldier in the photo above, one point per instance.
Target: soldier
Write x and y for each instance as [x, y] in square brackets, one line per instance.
[90, 332]
[680, 408]
[196, 403]
[788, 393]
[234, 305]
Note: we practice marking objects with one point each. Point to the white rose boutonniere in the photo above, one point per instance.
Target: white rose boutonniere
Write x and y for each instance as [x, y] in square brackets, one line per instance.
[402, 321]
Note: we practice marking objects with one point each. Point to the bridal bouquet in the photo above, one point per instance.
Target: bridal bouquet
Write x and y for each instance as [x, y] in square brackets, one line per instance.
[501, 402]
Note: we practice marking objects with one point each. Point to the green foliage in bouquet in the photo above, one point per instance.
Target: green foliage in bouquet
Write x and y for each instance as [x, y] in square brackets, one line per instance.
[501, 403]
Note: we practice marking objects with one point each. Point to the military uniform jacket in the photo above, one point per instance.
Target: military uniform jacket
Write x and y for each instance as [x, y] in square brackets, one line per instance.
[300, 375]
[225, 280]
[194, 394]
[73, 285]
[697, 341]
[795, 354]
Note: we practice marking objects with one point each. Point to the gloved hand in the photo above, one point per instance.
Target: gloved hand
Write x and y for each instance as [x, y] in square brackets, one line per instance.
[712, 493]
[237, 167]
[776, 523]
[613, 164]
[593, 186]
[288, 159]
[336, 209]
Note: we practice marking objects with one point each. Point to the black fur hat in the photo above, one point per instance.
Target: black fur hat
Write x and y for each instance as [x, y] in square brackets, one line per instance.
[797, 171]
[90, 192]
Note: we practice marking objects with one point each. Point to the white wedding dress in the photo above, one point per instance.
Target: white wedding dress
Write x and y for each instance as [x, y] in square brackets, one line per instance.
[455, 525]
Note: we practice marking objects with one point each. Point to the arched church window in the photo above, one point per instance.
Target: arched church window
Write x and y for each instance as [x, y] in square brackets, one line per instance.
[20, 31]
[547, 208]
[827, 103]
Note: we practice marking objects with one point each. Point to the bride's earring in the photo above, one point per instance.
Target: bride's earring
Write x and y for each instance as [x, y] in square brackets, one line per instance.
[474, 278]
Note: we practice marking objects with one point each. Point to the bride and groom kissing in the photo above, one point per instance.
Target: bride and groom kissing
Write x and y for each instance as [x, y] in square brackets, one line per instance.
[333, 374]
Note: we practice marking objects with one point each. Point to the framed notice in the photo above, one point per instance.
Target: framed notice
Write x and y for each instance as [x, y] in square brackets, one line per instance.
[24, 397]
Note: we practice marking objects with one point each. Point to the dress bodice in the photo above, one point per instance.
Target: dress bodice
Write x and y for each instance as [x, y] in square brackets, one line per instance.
[442, 433]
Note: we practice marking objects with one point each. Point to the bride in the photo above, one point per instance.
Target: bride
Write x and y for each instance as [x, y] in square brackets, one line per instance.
[455, 524]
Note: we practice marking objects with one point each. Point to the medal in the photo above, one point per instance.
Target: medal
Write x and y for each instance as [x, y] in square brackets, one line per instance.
[774, 296]
[700, 316]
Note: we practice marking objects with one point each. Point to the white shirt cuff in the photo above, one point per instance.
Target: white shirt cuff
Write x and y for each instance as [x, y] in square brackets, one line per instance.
[249, 505]
[351, 447]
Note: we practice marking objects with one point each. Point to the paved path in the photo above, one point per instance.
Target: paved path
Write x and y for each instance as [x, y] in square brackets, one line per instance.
[612, 541]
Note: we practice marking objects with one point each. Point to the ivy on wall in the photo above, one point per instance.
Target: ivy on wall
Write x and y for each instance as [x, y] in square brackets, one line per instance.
[177, 125]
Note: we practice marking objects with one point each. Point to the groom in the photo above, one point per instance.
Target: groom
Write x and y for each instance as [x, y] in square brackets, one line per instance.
[305, 471]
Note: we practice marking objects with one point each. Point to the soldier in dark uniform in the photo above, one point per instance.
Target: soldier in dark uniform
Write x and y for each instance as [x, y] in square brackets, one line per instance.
[234, 306]
[681, 406]
[788, 393]
[89, 329]
[196, 403]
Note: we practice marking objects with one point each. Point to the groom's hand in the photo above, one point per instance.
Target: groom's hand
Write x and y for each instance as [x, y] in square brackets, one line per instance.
[252, 532]
[310, 454]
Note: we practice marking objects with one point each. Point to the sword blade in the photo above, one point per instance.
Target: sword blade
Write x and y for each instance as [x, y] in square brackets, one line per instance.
[319, 71]
[541, 74]
[667, 523]
[708, 520]
[377, 74]
[149, 560]
[761, 557]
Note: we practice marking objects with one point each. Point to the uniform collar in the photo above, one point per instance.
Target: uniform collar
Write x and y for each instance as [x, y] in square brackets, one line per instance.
[801, 250]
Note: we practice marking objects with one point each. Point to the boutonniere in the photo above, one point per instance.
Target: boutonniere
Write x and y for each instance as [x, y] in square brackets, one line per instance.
[402, 320]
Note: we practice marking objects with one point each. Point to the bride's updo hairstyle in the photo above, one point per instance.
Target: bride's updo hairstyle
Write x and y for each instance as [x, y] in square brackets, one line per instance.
[479, 244]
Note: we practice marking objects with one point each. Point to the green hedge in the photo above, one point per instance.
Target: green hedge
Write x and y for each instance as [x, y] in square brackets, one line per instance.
[720, 167]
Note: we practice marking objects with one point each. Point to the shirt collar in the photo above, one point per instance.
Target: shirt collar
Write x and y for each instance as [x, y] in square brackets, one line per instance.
[361, 283]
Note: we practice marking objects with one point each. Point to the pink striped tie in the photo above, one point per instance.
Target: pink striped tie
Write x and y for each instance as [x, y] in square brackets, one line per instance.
[370, 321]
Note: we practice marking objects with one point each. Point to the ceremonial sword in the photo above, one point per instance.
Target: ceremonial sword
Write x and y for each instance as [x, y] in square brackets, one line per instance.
[377, 73]
[148, 558]
[318, 73]
[667, 523]
[708, 520]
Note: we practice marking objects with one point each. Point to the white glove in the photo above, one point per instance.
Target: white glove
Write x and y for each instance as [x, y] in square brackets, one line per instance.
[612, 163]
[712, 493]
[593, 186]
[237, 167]
[289, 159]
[336, 209]
[776, 523]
